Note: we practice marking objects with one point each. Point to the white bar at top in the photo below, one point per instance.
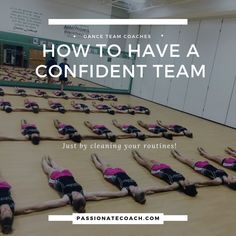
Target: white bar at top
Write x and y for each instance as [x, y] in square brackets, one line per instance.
[117, 21]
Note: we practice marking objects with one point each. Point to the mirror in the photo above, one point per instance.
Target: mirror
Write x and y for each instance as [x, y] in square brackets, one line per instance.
[21, 54]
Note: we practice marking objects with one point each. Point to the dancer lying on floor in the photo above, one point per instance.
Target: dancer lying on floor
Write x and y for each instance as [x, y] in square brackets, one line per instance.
[129, 129]
[109, 97]
[21, 92]
[166, 173]
[156, 129]
[69, 189]
[7, 78]
[79, 95]
[31, 132]
[67, 130]
[217, 176]
[123, 109]
[31, 105]
[94, 96]
[56, 106]
[2, 93]
[60, 93]
[7, 207]
[103, 108]
[80, 107]
[178, 129]
[228, 162]
[6, 106]
[41, 93]
[120, 179]
[101, 130]
[140, 109]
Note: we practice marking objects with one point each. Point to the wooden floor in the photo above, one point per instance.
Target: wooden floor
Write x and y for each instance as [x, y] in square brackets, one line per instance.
[211, 213]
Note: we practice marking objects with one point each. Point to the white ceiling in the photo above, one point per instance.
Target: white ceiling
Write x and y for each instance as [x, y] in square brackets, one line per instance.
[127, 5]
[140, 5]
[156, 8]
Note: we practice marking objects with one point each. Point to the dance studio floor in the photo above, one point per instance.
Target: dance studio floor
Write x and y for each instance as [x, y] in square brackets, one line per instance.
[211, 213]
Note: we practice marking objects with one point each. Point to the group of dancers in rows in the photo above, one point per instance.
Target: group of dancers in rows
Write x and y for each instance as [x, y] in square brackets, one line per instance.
[56, 106]
[72, 193]
[33, 106]
[61, 94]
[31, 132]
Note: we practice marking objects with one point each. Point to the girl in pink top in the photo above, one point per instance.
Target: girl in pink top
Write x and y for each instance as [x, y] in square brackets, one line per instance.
[101, 130]
[177, 129]
[103, 108]
[95, 96]
[80, 107]
[226, 161]
[31, 105]
[130, 129]
[156, 129]
[163, 171]
[120, 179]
[70, 191]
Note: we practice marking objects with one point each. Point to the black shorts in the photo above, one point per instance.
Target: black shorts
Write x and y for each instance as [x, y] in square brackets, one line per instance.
[157, 130]
[63, 79]
[179, 129]
[131, 130]
[102, 130]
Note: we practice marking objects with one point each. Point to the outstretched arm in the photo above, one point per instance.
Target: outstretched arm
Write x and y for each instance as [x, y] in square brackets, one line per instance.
[156, 189]
[214, 182]
[97, 196]
[42, 206]
[59, 138]
[21, 110]
[13, 139]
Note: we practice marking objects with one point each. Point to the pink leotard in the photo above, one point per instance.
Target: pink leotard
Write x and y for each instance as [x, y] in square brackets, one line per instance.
[229, 162]
[160, 166]
[57, 174]
[112, 171]
[98, 126]
[4, 184]
[201, 164]
[152, 126]
[62, 126]
[24, 126]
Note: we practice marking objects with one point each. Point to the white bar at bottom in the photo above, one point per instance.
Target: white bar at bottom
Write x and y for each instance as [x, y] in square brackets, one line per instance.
[61, 218]
[175, 218]
[118, 218]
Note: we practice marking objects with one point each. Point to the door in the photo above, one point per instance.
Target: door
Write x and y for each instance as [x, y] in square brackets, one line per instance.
[36, 58]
